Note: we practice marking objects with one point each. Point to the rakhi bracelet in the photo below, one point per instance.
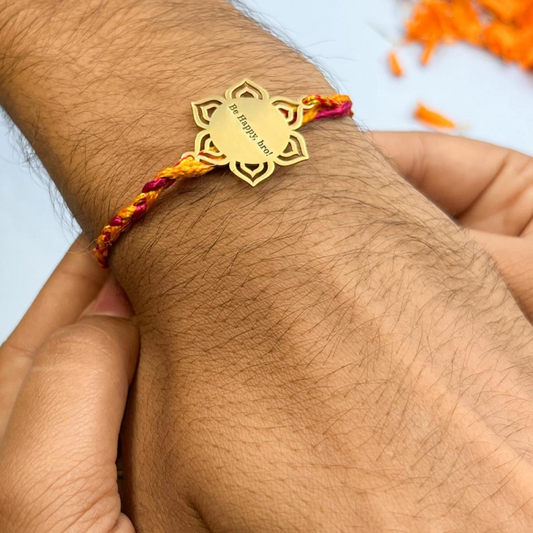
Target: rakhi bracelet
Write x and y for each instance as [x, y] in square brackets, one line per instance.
[247, 130]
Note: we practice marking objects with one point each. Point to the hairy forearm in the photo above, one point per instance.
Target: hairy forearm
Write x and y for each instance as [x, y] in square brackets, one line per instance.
[315, 320]
[102, 89]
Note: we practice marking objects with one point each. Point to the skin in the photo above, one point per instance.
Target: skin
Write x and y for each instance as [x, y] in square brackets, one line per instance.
[484, 188]
[327, 352]
[64, 378]
[52, 324]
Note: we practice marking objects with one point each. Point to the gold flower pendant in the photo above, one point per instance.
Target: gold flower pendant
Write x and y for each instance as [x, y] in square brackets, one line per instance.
[249, 131]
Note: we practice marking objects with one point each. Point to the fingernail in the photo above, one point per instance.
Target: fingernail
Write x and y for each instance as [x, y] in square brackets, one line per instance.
[111, 301]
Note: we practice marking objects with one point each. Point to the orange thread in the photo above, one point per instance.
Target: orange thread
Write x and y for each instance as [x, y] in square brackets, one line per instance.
[189, 167]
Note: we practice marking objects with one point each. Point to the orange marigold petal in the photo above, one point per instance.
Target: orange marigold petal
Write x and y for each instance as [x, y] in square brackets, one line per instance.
[428, 21]
[433, 118]
[506, 10]
[394, 64]
[526, 18]
[501, 39]
[504, 27]
[428, 52]
[443, 21]
[466, 21]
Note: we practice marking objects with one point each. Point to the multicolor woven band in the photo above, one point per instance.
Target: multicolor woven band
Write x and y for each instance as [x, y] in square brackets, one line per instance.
[315, 107]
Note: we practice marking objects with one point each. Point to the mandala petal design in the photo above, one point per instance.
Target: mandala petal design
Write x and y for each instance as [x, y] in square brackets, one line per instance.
[295, 151]
[246, 89]
[292, 111]
[203, 110]
[206, 149]
[252, 174]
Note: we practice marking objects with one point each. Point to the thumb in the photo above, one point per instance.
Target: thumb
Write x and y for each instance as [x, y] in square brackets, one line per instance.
[58, 455]
[514, 259]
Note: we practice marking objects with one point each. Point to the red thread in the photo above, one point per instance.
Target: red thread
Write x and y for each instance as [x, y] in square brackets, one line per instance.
[188, 166]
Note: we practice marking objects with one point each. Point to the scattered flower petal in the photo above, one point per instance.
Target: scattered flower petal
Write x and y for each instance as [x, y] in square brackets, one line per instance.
[504, 27]
[433, 118]
[395, 65]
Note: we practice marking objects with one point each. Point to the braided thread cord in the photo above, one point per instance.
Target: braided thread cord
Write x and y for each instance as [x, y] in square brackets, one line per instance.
[187, 167]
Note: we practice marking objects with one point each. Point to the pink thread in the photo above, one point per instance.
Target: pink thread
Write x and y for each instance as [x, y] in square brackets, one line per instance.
[155, 184]
[139, 212]
[344, 109]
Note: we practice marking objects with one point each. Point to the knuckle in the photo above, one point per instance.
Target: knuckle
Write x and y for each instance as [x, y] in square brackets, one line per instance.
[521, 167]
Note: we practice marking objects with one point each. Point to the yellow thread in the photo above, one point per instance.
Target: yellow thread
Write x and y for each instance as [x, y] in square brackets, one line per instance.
[189, 167]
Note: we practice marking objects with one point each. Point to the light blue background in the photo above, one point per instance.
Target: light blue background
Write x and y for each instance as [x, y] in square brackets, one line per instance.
[350, 40]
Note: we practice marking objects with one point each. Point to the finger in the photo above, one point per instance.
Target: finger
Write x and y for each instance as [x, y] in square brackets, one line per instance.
[58, 454]
[514, 259]
[74, 283]
[451, 171]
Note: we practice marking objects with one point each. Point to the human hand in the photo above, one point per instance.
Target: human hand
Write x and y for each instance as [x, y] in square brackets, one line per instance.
[326, 352]
[329, 379]
[346, 372]
[485, 188]
[64, 377]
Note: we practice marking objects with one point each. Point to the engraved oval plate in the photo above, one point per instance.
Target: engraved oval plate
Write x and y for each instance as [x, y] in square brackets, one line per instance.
[249, 131]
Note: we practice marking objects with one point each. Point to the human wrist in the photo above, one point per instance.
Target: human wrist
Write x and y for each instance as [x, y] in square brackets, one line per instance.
[120, 111]
[124, 114]
[102, 134]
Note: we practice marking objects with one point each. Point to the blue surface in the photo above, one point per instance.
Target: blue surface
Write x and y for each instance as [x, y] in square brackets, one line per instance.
[350, 41]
